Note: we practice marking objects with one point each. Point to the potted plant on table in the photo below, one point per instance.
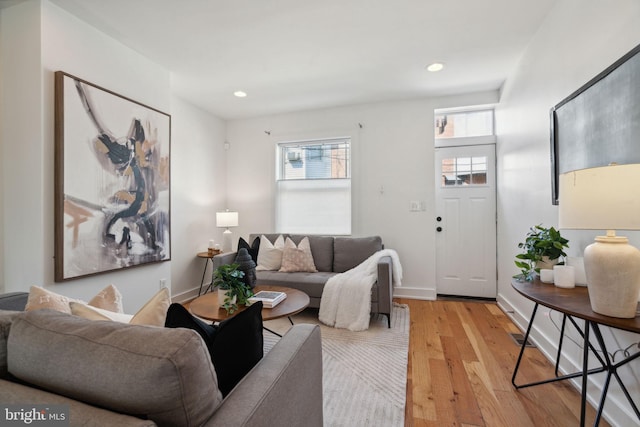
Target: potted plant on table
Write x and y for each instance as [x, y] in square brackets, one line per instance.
[232, 290]
[542, 247]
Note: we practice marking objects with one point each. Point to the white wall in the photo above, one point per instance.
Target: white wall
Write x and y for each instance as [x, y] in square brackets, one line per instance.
[22, 158]
[392, 161]
[579, 39]
[198, 190]
[38, 38]
[2, 290]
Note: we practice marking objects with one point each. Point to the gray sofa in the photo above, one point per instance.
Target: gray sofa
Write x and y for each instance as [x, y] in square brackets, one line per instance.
[110, 373]
[331, 255]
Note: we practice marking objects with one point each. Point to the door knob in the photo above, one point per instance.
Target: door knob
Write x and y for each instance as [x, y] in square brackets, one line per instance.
[439, 229]
[439, 219]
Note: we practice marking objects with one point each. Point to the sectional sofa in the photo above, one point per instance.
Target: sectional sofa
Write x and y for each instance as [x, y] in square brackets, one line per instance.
[109, 373]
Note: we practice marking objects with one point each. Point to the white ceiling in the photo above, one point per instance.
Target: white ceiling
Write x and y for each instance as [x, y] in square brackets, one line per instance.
[291, 55]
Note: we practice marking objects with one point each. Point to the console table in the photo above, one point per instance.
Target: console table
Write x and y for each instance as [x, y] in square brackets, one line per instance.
[574, 304]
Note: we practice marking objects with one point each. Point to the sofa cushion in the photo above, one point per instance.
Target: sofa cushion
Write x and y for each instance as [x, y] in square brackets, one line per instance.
[79, 414]
[14, 301]
[235, 345]
[163, 374]
[321, 249]
[297, 257]
[348, 252]
[309, 283]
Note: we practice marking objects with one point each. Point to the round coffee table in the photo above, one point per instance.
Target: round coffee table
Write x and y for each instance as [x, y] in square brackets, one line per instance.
[207, 307]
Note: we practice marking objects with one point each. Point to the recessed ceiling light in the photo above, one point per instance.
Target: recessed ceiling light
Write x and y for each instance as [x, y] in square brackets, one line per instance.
[240, 94]
[436, 66]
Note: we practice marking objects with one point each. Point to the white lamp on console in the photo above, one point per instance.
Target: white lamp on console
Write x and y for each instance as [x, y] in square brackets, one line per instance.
[606, 198]
[226, 220]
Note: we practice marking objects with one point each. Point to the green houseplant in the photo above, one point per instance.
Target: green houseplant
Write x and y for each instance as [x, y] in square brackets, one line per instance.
[228, 278]
[540, 244]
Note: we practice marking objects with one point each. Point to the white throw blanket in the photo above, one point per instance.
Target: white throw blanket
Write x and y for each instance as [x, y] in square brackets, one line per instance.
[346, 298]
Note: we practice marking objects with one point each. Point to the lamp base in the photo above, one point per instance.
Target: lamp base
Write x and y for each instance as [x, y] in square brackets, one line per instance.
[613, 275]
[226, 241]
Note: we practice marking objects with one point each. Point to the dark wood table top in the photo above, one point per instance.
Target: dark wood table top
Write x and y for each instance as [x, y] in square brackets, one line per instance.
[572, 301]
[206, 306]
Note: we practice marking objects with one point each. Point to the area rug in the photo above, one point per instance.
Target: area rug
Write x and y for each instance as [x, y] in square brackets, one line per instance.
[364, 373]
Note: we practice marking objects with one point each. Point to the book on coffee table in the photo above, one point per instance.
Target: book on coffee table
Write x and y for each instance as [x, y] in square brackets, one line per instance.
[269, 298]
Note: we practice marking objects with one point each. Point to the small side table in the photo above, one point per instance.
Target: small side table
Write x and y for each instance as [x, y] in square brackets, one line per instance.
[208, 257]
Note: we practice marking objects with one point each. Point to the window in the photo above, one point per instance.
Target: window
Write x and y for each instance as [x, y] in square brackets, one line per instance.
[313, 193]
[462, 124]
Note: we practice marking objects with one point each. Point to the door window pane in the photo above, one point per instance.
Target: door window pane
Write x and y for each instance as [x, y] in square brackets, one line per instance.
[461, 171]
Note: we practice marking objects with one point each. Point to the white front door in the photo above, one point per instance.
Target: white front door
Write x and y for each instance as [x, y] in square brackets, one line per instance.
[465, 223]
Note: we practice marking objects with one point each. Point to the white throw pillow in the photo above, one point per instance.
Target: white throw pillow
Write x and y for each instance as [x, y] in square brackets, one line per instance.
[94, 313]
[270, 255]
[297, 258]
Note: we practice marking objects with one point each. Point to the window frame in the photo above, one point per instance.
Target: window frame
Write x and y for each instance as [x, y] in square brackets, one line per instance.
[345, 200]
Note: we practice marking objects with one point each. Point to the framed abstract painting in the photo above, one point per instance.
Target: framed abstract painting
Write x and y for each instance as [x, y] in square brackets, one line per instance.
[112, 181]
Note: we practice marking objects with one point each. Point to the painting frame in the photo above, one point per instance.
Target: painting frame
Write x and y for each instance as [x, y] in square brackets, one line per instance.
[112, 181]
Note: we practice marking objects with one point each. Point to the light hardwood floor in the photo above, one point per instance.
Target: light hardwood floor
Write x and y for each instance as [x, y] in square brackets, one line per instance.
[461, 359]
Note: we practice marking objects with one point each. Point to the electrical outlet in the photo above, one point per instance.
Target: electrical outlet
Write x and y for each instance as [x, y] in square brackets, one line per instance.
[163, 283]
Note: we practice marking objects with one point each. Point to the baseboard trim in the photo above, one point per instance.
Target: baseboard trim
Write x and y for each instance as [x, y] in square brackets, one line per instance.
[415, 293]
[185, 296]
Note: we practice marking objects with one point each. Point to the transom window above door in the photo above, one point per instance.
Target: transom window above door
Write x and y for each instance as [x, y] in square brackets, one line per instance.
[463, 124]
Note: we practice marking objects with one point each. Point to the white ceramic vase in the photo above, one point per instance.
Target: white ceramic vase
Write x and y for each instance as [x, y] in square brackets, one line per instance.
[222, 295]
[613, 277]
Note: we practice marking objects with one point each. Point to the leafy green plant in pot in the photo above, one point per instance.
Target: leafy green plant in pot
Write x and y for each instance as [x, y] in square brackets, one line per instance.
[540, 244]
[228, 278]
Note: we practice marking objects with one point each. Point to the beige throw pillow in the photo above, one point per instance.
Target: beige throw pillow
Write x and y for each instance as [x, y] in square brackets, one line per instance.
[40, 298]
[109, 299]
[297, 258]
[153, 313]
[270, 254]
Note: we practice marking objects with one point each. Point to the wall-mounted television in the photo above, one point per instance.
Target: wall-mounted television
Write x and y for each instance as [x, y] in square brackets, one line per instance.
[599, 123]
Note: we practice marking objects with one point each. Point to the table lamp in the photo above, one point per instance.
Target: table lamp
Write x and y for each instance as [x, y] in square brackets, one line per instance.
[606, 198]
[226, 220]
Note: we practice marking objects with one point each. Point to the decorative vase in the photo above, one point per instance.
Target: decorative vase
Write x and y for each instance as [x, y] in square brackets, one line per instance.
[222, 295]
[546, 263]
[613, 276]
[248, 266]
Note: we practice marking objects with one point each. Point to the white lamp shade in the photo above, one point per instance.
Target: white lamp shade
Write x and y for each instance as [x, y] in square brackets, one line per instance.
[227, 219]
[602, 198]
